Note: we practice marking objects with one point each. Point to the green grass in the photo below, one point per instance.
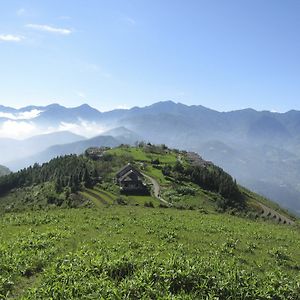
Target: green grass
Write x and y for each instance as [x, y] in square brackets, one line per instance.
[253, 198]
[156, 174]
[128, 252]
[139, 154]
[141, 200]
[103, 250]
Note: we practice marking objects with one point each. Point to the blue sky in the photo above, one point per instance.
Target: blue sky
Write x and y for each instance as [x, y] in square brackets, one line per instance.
[225, 55]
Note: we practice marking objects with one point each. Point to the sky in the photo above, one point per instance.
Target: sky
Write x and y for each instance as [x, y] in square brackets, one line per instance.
[225, 55]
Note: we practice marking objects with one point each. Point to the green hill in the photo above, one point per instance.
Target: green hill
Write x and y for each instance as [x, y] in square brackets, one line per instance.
[185, 181]
[68, 232]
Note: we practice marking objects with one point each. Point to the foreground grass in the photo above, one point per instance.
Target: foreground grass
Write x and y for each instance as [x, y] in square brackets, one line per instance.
[133, 252]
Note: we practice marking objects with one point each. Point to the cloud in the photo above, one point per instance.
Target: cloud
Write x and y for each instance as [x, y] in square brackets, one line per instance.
[22, 129]
[122, 106]
[65, 18]
[21, 12]
[17, 129]
[90, 67]
[85, 128]
[129, 20]
[26, 115]
[81, 95]
[51, 29]
[11, 38]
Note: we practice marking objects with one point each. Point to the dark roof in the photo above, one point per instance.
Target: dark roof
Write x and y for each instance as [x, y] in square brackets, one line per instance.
[131, 175]
[126, 169]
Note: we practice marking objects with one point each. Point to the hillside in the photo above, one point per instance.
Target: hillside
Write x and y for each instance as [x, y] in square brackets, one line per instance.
[134, 252]
[182, 179]
[259, 148]
[199, 236]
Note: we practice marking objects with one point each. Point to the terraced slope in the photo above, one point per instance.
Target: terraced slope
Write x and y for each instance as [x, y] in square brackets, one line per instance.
[268, 212]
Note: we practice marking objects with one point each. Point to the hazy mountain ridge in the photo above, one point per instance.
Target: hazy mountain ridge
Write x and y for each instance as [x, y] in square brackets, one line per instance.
[259, 148]
[59, 150]
[10, 149]
[247, 120]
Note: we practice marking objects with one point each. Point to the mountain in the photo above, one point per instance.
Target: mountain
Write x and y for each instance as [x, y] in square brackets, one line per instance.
[4, 171]
[189, 232]
[51, 114]
[11, 149]
[55, 114]
[64, 149]
[184, 176]
[123, 135]
[259, 148]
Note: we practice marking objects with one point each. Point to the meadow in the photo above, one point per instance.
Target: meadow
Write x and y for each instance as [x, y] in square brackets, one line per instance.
[135, 252]
[68, 232]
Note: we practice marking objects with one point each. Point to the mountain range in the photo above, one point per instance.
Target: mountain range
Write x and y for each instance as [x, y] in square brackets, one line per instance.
[261, 149]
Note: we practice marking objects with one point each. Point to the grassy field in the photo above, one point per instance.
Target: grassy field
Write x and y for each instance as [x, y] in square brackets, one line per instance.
[132, 252]
[140, 155]
[98, 243]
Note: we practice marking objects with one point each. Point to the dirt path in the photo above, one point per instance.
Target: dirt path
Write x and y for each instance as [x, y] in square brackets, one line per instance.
[271, 213]
[156, 189]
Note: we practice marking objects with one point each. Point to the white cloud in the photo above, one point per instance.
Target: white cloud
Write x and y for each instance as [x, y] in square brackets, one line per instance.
[129, 20]
[65, 18]
[81, 95]
[17, 129]
[21, 12]
[26, 115]
[51, 29]
[11, 38]
[90, 67]
[85, 128]
[122, 106]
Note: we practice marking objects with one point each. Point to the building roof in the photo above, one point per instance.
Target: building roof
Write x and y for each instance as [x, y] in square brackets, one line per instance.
[131, 175]
[126, 169]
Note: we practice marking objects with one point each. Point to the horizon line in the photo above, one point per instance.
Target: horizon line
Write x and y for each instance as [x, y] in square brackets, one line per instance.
[136, 106]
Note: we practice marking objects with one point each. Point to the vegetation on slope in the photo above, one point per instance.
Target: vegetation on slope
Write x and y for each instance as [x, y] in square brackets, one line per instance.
[186, 182]
[69, 174]
[118, 246]
[130, 252]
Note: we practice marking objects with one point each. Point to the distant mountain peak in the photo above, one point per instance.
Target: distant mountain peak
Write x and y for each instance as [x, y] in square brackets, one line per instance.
[167, 103]
[86, 108]
[85, 105]
[54, 105]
